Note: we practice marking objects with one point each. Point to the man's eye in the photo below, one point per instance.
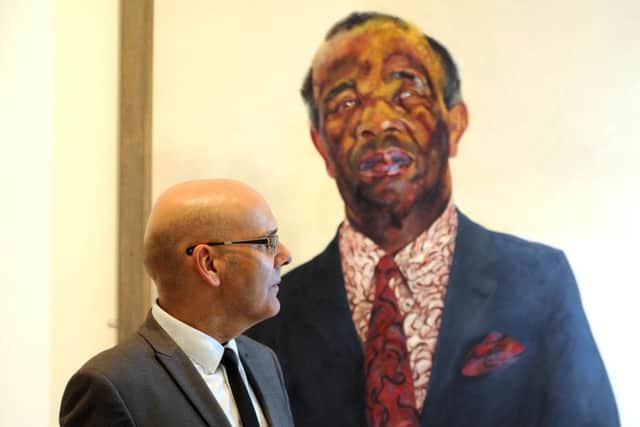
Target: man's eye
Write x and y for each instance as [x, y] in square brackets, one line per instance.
[405, 94]
[409, 98]
[343, 105]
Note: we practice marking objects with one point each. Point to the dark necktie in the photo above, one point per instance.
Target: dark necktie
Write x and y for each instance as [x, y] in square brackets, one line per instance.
[390, 396]
[240, 393]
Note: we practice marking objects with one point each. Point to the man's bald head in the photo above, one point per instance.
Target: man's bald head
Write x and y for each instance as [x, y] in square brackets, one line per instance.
[219, 289]
[194, 212]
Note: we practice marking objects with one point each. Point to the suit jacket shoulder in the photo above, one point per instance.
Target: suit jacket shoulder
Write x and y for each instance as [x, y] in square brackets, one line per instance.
[149, 381]
[527, 292]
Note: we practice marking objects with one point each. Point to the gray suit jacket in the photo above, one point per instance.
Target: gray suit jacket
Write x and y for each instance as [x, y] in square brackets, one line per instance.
[149, 381]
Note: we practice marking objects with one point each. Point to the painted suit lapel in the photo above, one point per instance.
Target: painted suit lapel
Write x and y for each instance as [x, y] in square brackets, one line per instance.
[329, 314]
[471, 285]
[182, 371]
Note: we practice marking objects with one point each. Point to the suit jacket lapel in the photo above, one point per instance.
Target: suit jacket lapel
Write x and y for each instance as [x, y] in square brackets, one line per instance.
[261, 385]
[329, 313]
[469, 290]
[183, 373]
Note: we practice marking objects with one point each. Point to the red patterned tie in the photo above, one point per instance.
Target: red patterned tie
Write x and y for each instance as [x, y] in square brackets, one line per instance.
[391, 400]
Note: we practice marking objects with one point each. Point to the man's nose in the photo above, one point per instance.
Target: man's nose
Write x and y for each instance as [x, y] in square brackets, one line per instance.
[283, 257]
[379, 117]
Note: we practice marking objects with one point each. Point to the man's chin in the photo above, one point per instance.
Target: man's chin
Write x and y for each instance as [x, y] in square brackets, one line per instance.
[388, 192]
[274, 307]
[379, 198]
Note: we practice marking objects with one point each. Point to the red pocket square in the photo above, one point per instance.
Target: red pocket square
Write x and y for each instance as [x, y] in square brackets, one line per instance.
[495, 351]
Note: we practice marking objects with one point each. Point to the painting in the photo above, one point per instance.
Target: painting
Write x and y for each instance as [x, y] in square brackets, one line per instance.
[530, 135]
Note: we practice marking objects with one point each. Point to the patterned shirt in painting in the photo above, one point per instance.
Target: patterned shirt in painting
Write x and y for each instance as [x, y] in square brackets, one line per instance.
[425, 263]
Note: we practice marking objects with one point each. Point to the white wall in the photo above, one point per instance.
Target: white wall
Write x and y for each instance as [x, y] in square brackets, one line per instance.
[552, 90]
[25, 178]
[58, 80]
[84, 205]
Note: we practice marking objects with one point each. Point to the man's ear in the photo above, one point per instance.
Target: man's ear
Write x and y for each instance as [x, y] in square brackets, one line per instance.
[457, 120]
[205, 265]
[322, 148]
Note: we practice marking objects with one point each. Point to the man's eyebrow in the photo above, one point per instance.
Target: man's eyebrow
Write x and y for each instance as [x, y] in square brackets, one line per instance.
[346, 85]
[407, 75]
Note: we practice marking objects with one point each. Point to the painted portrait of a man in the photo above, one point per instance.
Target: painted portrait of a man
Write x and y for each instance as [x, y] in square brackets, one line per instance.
[448, 188]
[414, 314]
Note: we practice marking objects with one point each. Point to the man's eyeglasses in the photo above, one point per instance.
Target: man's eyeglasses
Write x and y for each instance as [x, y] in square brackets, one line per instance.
[271, 242]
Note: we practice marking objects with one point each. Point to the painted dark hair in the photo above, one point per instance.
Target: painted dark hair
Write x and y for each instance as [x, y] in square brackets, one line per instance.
[451, 89]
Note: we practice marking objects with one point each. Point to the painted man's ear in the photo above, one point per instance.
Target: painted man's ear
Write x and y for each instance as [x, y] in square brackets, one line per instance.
[322, 148]
[205, 265]
[457, 120]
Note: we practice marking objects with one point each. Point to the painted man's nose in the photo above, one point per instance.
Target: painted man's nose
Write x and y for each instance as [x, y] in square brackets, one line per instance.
[378, 118]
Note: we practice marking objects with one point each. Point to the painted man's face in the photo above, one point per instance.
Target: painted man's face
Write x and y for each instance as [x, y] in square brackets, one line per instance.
[383, 129]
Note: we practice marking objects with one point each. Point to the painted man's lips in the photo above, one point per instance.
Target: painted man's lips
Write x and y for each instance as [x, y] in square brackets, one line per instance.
[381, 163]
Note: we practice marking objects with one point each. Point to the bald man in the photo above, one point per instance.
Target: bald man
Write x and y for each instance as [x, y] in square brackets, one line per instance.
[212, 250]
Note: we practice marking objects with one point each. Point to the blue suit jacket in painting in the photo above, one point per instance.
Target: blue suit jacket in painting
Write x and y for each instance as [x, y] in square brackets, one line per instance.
[497, 283]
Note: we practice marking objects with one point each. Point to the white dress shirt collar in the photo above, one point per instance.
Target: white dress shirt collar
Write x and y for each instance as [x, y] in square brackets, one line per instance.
[198, 346]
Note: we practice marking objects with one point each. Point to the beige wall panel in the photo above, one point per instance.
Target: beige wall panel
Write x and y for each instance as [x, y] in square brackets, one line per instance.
[84, 209]
[25, 175]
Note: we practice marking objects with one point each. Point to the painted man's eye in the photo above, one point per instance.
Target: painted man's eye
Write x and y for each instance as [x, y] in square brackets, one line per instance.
[405, 94]
[344, 105]
[409, 98]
